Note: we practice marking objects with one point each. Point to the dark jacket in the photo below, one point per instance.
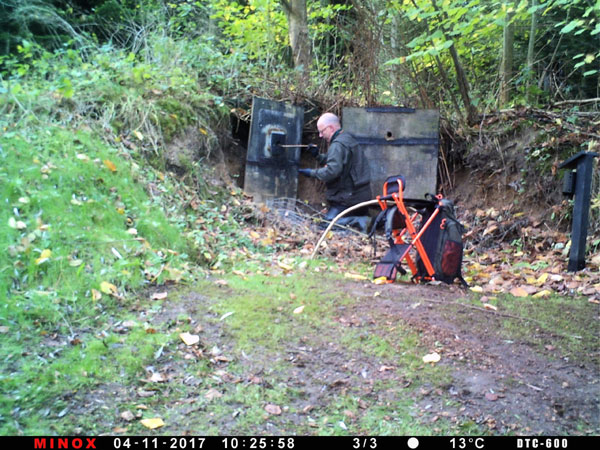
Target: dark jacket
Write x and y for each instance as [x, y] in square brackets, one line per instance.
[346, 172]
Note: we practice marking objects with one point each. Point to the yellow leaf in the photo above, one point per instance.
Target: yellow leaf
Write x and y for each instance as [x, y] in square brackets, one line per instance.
[544, 293]
[153, 423]
[75, 262]
[108, 288]
[189, 339]
[299, 309]
[285, 267]
[542, 279]
[476, 288]
[432, 358]
[138, 135]
[380, 280]
[354, 276]
[203, 131]
[45, 256]
[96, 295]
[110, 165]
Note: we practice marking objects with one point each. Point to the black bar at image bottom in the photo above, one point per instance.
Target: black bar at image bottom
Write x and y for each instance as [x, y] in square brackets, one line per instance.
[298, 442]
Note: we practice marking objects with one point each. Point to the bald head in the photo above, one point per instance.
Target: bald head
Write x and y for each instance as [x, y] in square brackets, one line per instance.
[327, 125]
[328, 119]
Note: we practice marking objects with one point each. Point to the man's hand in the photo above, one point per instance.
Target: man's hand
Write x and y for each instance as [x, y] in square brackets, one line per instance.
[306, 172]
[313, 149]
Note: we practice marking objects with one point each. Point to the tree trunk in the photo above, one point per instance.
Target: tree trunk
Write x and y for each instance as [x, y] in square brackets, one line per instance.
[295, 11]
[506, 70]
[461, 78]
[531, 49]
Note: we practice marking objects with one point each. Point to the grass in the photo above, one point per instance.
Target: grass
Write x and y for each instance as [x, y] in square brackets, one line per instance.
[70, 259]
[255, 312]
[557, 326]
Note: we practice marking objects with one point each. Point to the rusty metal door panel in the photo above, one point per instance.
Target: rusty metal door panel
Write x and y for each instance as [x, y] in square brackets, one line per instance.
[271, 164]
[398, 141]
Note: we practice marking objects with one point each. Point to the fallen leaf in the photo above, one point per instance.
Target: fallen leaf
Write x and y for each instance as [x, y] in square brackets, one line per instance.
[354, 276]
[4, 329]
[477, 289]
[108, 288]
[491, 397]
[96, 295]
[110, 165]
[431, 358]
[138, 135]
[380, 280]
[44, 256]
[153, 423]
[519, 292]
[490, 307]
[157, 378]
[544, 293]
[189, 339]
[273, 409]
[226, 315]
[127, 415]
[16, 224]
[386, 368]
[299, 309]
[159, 295]
[285, 267]
[212, 394]
[542, 279]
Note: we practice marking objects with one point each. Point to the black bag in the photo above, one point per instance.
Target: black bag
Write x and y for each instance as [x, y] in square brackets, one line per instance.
[443, 244]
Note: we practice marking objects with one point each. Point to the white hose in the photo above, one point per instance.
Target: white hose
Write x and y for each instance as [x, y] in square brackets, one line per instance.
[340, 215]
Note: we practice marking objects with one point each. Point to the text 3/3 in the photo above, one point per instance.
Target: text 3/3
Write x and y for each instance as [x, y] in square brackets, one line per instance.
[364, 443]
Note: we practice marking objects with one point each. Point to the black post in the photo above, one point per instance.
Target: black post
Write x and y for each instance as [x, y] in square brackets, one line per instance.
[583, 162]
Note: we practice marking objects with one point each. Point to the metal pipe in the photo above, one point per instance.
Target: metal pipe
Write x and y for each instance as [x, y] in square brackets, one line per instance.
[292, 145]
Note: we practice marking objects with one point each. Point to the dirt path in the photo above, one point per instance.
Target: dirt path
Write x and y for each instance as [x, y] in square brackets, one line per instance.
[503, 385]
[499, 384]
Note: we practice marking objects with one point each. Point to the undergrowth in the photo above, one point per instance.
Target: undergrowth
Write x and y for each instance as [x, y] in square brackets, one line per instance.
[91, 217]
